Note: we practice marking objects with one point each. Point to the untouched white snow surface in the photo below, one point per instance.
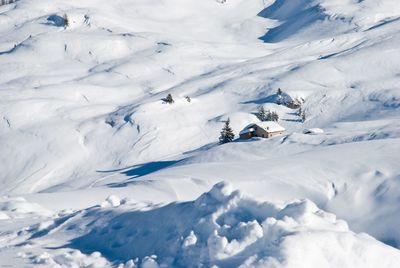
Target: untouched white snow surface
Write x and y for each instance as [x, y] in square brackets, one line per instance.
[97, 171]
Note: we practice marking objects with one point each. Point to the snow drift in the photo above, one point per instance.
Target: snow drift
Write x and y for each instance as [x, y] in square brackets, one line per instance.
[224, 228]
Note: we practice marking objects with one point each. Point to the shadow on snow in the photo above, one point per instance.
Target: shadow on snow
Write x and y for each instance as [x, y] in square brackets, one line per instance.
[139, 171]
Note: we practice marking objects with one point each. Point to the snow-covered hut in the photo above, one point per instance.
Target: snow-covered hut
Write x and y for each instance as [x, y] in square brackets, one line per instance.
[265, 129]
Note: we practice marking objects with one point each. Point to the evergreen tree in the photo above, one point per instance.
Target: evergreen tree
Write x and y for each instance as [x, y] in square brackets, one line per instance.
[274, 116]
[169, 99]
[268, 116]
[66, 21]
[271, 116]
[227, 134]
[279, 98]
[188, 99]
[262, 114]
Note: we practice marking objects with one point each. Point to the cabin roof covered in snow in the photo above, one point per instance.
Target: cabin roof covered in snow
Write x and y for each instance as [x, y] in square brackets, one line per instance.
[247, 129]
[268, 126]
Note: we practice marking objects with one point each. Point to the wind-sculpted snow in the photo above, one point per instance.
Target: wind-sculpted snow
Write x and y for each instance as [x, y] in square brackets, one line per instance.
[87, 145]
[224, 228]
[19, 207]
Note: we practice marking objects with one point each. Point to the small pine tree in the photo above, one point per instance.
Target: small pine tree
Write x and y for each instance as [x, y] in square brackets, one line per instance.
[169, 99]
[271, 116]
[66, 21]
[279, 99]
[188, 99]
[274, 116]
[262, 114]
[268, 116]
[227, 134]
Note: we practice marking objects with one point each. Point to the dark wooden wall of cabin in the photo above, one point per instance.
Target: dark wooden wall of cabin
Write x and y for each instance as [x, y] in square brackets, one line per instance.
[5, 2]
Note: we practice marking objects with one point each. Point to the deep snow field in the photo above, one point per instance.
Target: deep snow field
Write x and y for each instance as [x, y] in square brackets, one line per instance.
[96, 171]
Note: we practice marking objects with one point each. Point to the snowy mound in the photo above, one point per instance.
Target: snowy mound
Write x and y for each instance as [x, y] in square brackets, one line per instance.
[224, 228]
[19, 207]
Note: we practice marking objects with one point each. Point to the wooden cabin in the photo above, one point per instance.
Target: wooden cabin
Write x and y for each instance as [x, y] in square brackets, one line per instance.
[6, 2]
[265, 129]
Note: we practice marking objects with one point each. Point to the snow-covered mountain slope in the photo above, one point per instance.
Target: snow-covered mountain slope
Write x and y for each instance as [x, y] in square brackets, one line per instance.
[81, 118]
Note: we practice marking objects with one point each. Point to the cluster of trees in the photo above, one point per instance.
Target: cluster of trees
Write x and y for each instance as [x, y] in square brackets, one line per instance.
[169, 99]
[268, 115]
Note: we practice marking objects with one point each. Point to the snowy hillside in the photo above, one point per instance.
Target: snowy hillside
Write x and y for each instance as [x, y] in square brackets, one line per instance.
[98, 171]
